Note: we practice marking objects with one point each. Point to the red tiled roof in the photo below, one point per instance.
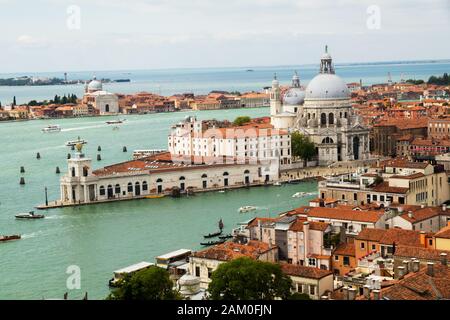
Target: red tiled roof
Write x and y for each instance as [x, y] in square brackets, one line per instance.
[443, 233]
[428, 254]
[304, 272]
[384, 187]
[345, 249]
[391, 236]
[344, 214]
[229, 250]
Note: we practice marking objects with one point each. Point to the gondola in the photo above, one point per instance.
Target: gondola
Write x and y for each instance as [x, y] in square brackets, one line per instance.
[226, 236]
[212, 235]
[212, 243]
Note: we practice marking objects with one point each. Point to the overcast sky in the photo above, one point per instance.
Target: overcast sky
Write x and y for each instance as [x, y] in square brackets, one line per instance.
[44, 35]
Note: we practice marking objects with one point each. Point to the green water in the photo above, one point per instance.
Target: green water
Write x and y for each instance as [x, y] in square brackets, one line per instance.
[104, 237]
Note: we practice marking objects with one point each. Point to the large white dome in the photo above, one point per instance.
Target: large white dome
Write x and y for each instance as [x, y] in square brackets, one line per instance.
[294, 96]
[327, 86]
[95, 85]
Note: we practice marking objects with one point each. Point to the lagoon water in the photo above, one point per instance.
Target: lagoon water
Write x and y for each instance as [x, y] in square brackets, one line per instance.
[201, 81]
[105, 237]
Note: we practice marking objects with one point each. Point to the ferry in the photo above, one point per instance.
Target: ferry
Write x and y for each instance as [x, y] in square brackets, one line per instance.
[121, 273]
[75, 142]
[30, 215]
[52, 128]
[10, 238]
[247, 209]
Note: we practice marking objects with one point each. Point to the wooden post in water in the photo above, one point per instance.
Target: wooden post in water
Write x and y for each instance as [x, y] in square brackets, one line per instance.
[38, 155]
[124, 149]
[22, 181]
[68, 156]
[99, 148]
[57, 170]
[99, 157]
[22, 170]
[46, 197]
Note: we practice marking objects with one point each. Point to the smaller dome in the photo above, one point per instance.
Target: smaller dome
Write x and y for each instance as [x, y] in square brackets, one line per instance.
[95, 85]
[294, 96]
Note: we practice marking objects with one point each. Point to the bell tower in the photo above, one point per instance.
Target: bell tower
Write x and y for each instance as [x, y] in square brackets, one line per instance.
[275, 97]
[326, 63]
[79, 166]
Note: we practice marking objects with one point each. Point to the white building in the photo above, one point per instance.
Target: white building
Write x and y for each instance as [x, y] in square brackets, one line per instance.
[323, 112]
[104, 102]
[157, 174]
[258, 142]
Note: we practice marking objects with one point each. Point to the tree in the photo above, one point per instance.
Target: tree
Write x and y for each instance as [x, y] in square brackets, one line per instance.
[299, 296]
[302, 147]
[153, 283]
[14, 101]
[247, 279]
[239, 121]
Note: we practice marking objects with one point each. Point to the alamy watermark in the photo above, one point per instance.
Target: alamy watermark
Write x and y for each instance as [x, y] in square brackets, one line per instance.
[73, 21]
[373, 21]
[73, 281]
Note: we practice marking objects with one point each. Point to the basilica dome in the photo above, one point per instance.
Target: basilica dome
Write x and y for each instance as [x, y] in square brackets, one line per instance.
[95, 85]
[294, 96]
[327, 86]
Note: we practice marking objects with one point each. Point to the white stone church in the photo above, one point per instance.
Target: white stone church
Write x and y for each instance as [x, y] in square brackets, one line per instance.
[323, 112]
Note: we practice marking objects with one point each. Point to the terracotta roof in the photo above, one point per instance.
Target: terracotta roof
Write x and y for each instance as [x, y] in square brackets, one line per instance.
[388, 237]
[345, 214]
[229, 250]
[420, 214]
[298, 225]
[443, 233]
[304, 272]
[345, 249]
[429, 254]
[384, 187]
[409, 177]
[420, 286]
[263, 221]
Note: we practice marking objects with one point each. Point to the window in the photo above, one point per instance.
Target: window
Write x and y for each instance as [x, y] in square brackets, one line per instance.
[197, 271]
[144, 186]
[355, 196]
[312, 289]
[363, 245]
[102, 190]
[336, 258]
[430, 242]
[312, 262]
[209, 273]
[374, 247]
[130, 187]
[117, 188]
[346, 261]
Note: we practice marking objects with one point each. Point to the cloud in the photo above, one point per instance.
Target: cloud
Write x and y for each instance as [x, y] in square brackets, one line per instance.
[31, 42]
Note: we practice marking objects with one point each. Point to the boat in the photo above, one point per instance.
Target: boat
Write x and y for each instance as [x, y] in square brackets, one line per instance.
[115, 121]
[303, 194]
[212, 235]
[30, 215]
[155, 196]
[226, 236]
[277, 183]
[75, 142]
[212, 243]
[10, 238]
[52, 128]
[247, 209]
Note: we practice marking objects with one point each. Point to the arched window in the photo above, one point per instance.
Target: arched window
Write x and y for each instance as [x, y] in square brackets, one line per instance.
[330, 118]
[225, 174]
[225, 179]
[102, 190]
[130, 187]
[309, 116]
[117, 189]
[159, 180]
[204, 176]
[340, 114]
[323, 119]
[182, 178]
[327, 140]
[144, 186]
[246, 172]
[85, 171]
[246, 177]
[73, 172]
[345, 115]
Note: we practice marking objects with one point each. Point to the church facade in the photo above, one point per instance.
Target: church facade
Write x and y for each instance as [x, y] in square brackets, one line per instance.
[105, 103]
[323, 112]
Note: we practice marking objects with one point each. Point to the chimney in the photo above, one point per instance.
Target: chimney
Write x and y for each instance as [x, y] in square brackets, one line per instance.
[430, 269]
[366, 291]
[415, 265]
[410, 214]
[444, 207]
[400, 272]
[422, 206]
[406, 265]
[351, 294]
[443, 258]
[376, 294]
[345, 292]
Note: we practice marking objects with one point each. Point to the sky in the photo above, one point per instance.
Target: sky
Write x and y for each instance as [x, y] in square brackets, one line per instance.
[78, 35]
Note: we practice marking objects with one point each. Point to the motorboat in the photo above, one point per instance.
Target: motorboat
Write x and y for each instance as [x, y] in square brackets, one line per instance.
[30, 215]
[303, 194]
[155, 196]
[75, 142]
[277, 184]
[247, 209]
[118, 121]
[52, 128]
[10, 238]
